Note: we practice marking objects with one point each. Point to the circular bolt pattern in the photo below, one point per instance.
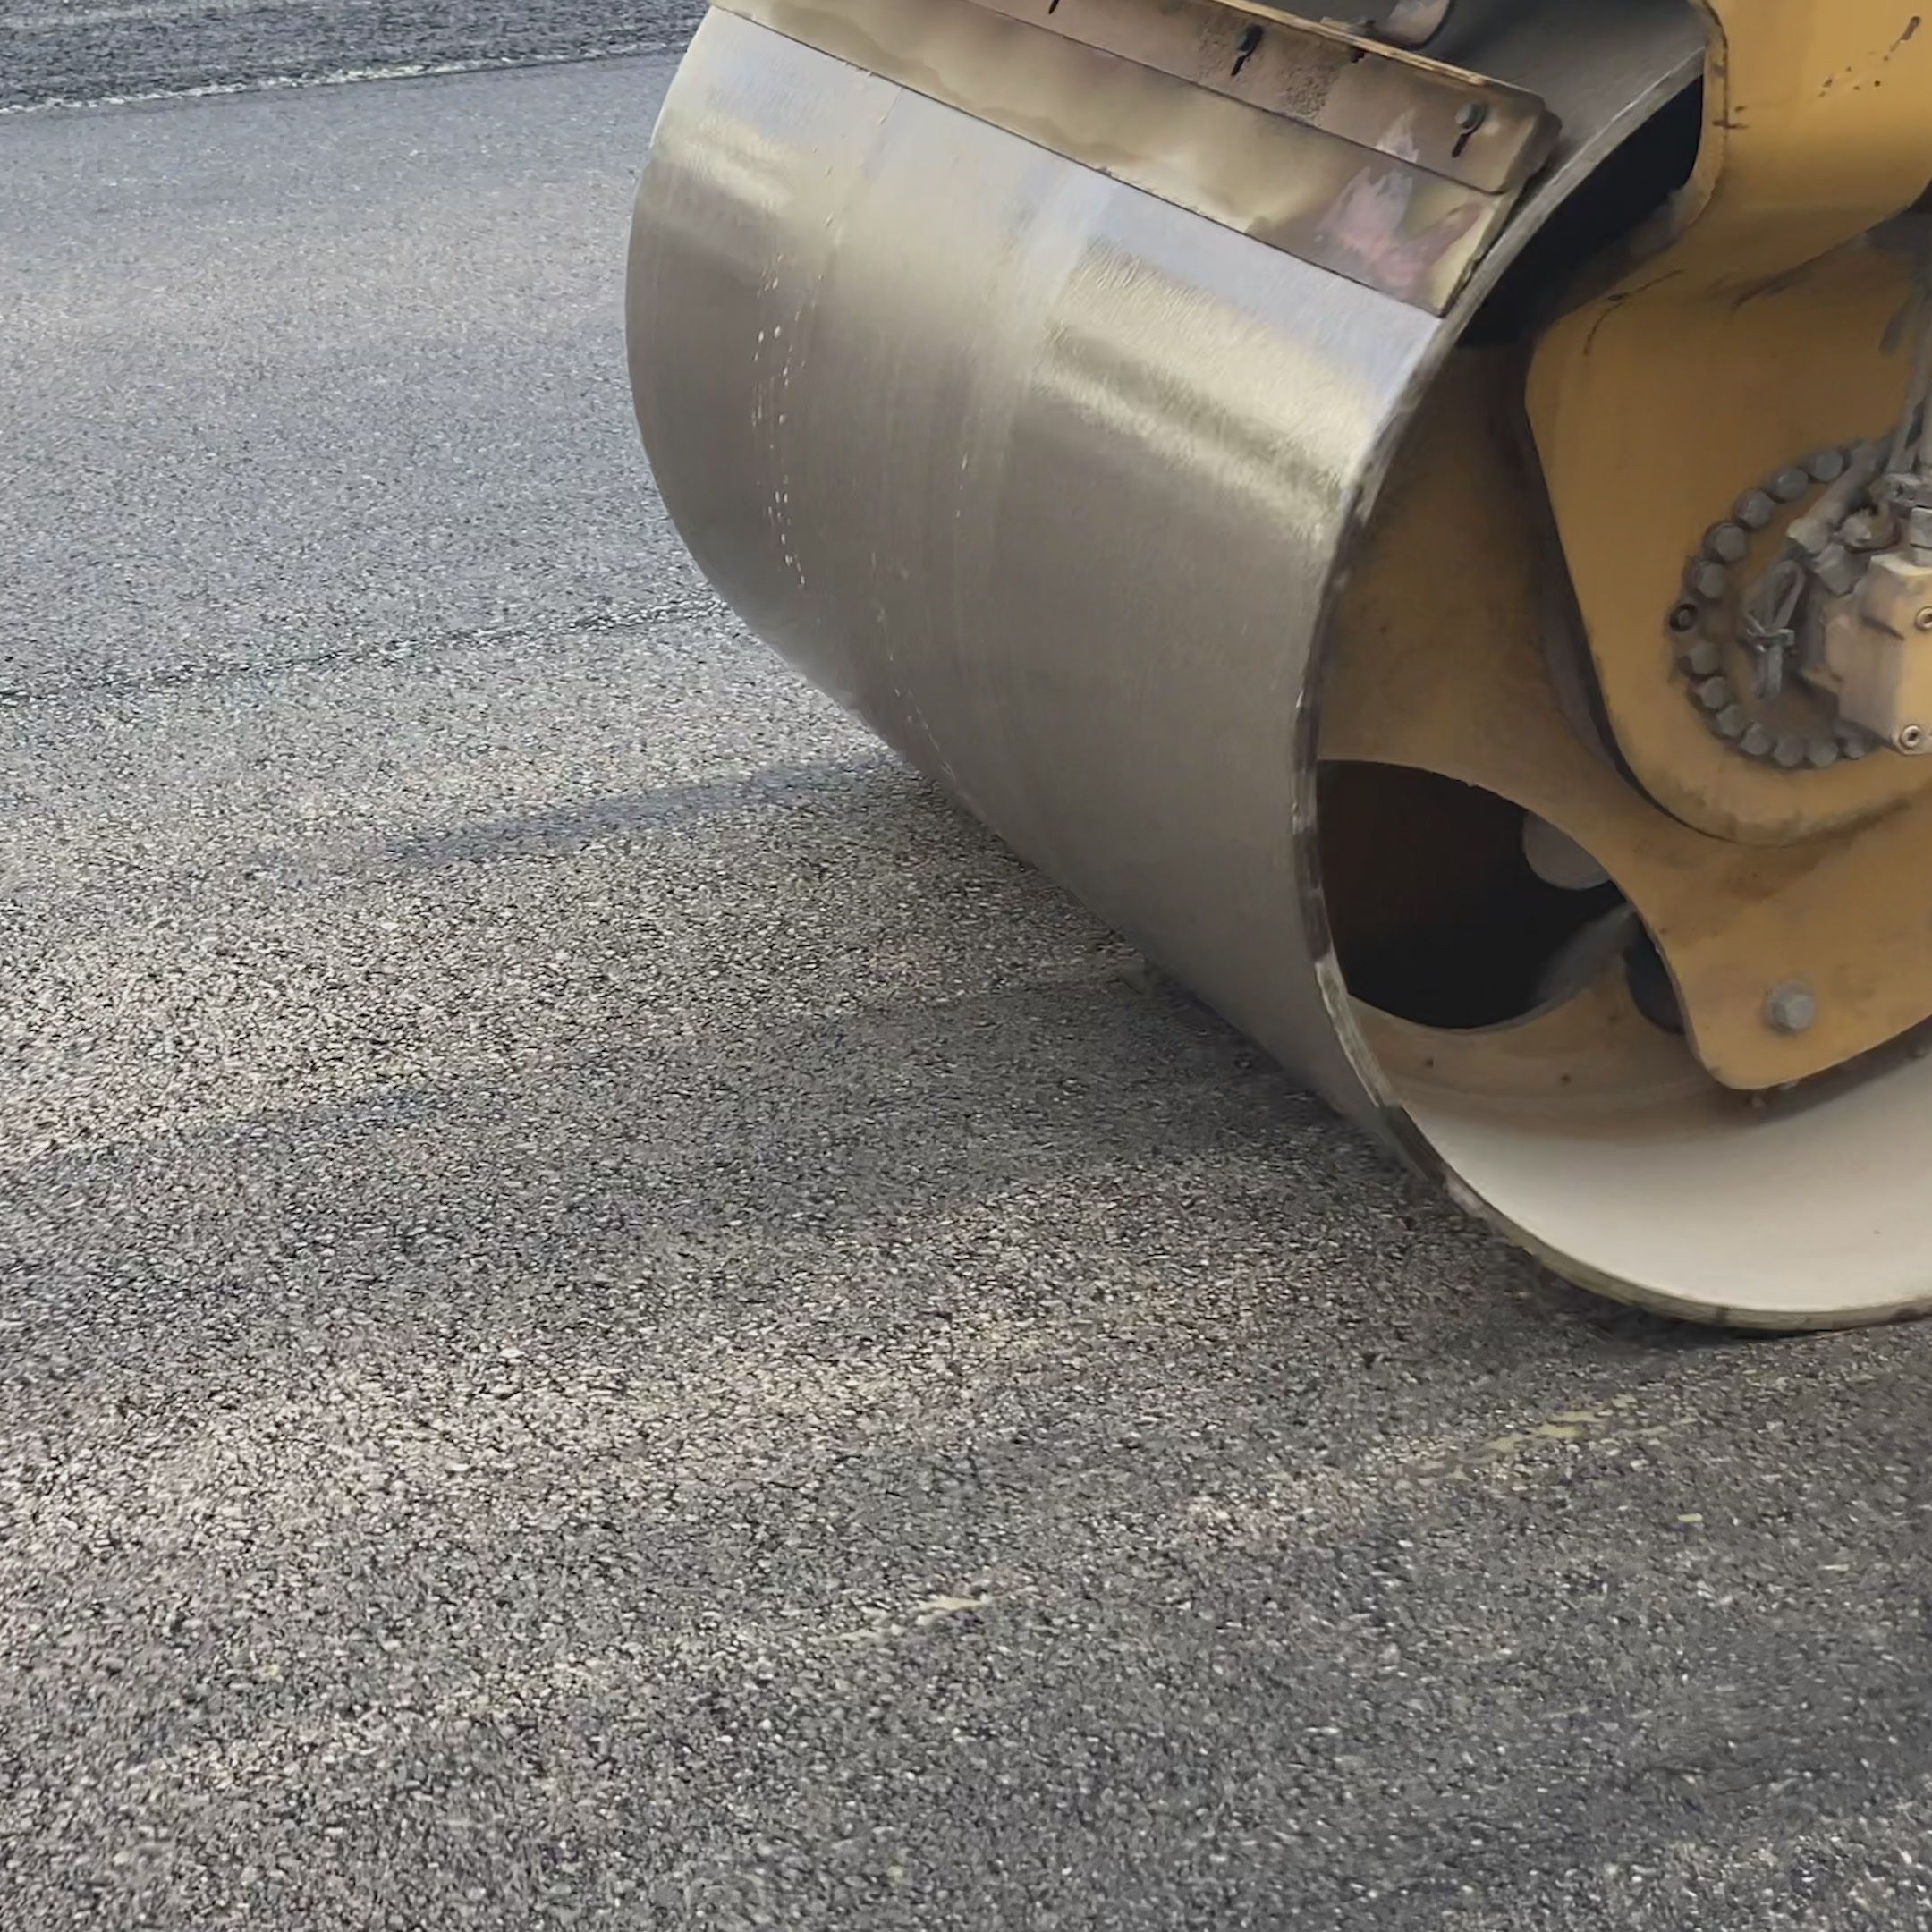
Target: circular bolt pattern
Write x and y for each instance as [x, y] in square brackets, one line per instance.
[1701, 623]
[1790, 1007]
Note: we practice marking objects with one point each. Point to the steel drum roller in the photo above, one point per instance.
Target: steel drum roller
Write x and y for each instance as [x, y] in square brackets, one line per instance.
[1224, 584]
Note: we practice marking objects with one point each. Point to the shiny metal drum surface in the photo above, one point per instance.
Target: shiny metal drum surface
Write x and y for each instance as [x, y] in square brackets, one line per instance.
[1041, 476]
[1053, 484]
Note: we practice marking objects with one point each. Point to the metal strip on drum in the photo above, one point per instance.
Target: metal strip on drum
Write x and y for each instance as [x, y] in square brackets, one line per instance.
[1392, 169]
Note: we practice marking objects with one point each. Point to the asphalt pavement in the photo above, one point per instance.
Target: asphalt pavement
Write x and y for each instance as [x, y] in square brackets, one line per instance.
[609, 1316]
[55, 51]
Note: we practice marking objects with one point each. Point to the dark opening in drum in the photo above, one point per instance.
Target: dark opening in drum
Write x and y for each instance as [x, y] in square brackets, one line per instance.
[1436, 913]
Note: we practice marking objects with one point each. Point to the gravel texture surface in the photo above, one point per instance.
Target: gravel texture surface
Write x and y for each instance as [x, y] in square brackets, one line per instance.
[81, 50]
[609, 1317]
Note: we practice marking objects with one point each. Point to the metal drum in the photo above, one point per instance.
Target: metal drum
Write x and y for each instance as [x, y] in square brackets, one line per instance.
[1073, 493]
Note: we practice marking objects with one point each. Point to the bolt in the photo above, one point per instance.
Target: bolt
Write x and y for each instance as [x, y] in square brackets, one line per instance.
[1789, 484]
[1703, 658]
[1789, 751]
[1684, 618]
[1709, 580]
[1731, 720]
[1826, 465]
[1790, 1007]
[1910, 737]
[1755, 510]
[1864, 530]
[1756, 742]
[1728, 543]
[1821, 753]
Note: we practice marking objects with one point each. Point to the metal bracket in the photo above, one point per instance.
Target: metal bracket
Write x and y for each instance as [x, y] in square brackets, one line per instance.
[1744, 328]
[1364, 85]
[1394, 170]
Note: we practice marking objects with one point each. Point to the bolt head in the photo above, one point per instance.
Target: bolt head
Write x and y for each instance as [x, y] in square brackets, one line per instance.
[1790, 1007]
[1754, 509]
[1790, 485]
[1728, 543]
[1864, 530]
[1826, 465]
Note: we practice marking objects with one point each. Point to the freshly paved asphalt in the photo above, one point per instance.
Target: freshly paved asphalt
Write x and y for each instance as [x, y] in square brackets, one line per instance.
[609, 1316]
[86, 50]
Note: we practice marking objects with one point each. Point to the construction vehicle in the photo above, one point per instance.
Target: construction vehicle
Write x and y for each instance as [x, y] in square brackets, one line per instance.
[1422, 521]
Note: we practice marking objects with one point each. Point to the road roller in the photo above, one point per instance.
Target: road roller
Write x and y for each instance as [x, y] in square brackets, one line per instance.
[1419, 516]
